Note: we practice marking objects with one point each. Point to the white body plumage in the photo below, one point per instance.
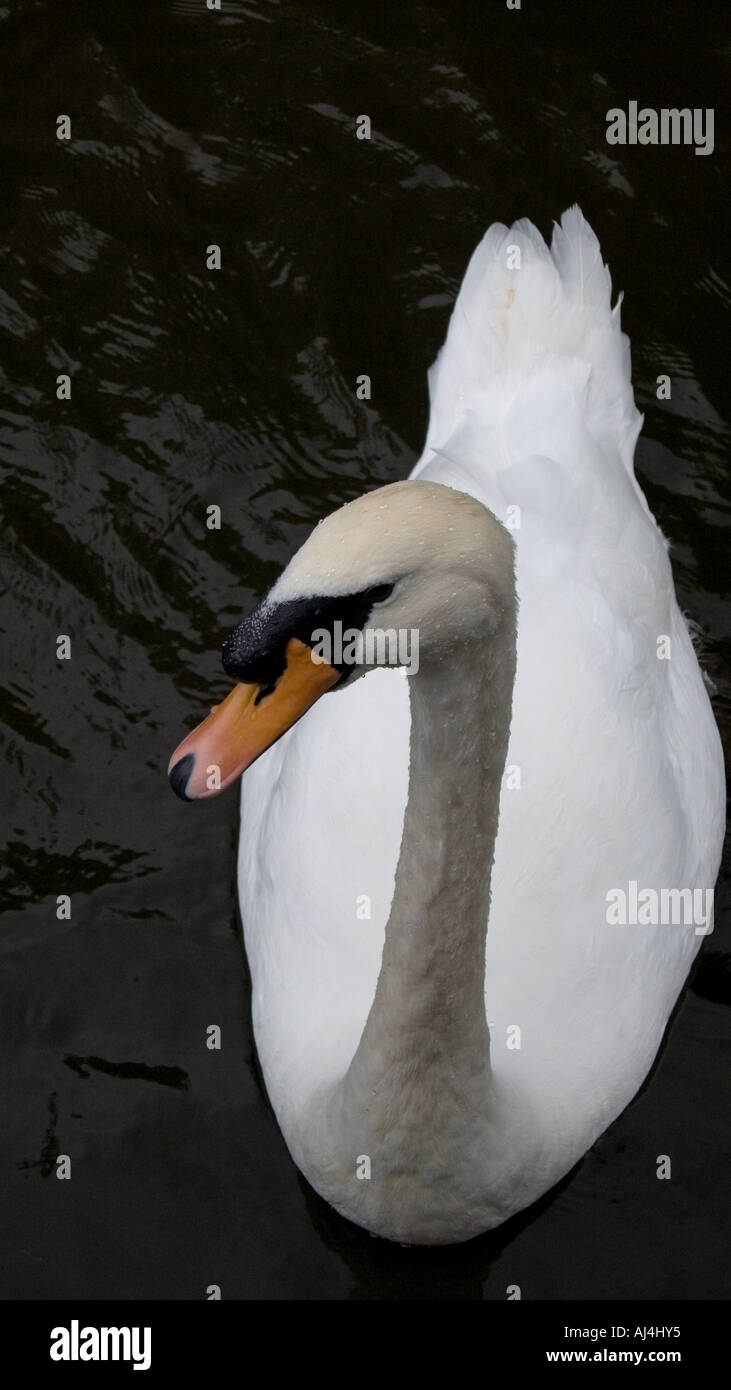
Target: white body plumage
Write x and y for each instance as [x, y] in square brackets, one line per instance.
[613, 774]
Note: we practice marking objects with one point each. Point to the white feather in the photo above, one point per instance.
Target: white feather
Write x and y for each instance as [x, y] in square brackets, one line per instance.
[619, 757]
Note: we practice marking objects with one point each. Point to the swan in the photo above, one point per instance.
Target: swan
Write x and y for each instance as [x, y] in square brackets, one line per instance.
[450, 1004]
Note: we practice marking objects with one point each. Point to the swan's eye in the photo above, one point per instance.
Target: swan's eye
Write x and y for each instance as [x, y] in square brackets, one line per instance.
[380, 592]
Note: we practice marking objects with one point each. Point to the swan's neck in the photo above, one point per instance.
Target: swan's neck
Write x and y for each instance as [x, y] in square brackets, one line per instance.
[427, 1022]
[417, 1099]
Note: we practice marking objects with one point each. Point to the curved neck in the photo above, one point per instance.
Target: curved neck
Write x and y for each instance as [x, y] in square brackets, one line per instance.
[418, 1101]
[420, 1080]
[426, 1034]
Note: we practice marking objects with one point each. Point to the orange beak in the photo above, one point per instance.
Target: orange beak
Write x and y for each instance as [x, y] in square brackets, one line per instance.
[238, 730]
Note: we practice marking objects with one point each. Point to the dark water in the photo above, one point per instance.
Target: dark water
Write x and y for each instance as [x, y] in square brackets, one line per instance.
[237, 388]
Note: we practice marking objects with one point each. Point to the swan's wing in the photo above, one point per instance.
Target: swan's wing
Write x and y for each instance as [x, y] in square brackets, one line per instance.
[614, 763]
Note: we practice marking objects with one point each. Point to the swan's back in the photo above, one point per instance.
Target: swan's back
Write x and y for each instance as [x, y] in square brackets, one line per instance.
[614, 771]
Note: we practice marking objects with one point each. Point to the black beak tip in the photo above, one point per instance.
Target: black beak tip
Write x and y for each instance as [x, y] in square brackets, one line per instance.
[179, 776]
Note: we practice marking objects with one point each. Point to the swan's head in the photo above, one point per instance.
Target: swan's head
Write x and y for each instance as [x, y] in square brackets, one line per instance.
[401, 576]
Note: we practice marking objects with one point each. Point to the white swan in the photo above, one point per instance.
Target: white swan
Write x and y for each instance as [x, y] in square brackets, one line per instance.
[432, 1100]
